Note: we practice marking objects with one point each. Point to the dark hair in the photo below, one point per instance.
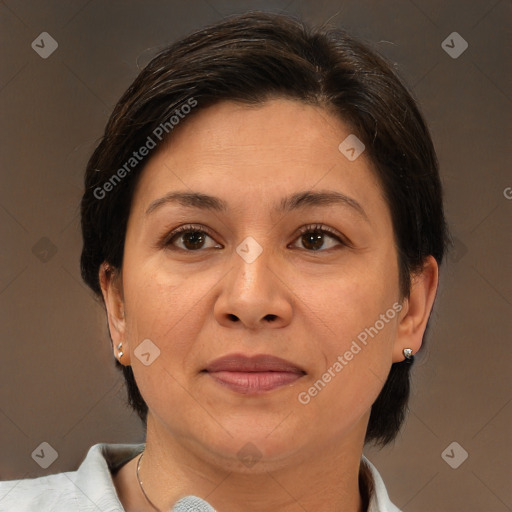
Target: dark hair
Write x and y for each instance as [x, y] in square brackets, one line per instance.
[251, 58]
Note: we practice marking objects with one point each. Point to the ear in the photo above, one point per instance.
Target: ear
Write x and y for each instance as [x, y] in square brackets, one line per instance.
[416, 310]
[112, 290]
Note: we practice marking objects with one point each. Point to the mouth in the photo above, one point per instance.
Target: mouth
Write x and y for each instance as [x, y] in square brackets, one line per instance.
[253, 375]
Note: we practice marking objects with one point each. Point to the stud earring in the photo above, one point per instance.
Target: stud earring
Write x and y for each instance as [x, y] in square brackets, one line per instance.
[407, 353]
[119, 349]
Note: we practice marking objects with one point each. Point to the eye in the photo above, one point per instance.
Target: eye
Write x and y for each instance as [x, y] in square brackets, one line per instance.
[190, 238]
[314, 238]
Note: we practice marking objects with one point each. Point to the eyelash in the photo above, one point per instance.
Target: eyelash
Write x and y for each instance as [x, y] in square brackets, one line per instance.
[309, 228]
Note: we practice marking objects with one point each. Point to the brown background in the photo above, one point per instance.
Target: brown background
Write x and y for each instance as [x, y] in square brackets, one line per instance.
[58, 381]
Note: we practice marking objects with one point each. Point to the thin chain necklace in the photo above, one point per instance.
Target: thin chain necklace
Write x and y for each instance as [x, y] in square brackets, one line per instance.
[141, 486]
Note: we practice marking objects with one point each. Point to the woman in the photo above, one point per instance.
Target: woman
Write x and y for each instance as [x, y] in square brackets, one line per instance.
[263, 220]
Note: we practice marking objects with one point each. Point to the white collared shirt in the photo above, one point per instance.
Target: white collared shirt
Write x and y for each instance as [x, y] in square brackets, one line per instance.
[91, 489]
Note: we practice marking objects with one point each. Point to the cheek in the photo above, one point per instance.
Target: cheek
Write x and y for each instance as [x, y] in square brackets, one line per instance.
[359, 313]
[357, 363]
[169, 308]
[354, 301]
[362, 333]
[158, 299]
[164, 307]
[151, 305]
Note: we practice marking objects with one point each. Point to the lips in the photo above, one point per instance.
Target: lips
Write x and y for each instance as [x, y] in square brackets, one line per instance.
[259, 363]
[253, 375]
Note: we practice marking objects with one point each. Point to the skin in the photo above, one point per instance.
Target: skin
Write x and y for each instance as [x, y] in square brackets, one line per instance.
[199, 305]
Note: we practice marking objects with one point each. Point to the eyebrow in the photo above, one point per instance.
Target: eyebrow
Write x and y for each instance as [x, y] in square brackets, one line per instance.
[296, 201]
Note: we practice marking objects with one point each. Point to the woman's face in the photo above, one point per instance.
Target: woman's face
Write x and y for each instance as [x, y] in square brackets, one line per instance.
[244, 280]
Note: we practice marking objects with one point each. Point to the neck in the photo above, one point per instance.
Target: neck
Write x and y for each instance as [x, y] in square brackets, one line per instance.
[319, 478]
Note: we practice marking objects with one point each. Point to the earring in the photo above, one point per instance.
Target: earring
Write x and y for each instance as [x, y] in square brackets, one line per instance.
[408, 353]
[121, 353]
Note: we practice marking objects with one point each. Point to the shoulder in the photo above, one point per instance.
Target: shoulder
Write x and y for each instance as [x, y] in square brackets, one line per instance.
[44, 493]
[87, 489]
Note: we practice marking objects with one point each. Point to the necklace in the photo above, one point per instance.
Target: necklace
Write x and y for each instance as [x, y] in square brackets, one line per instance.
[141, 486]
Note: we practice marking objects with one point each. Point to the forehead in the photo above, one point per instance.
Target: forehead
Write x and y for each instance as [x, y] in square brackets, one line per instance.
[283, 127]
[268, 150]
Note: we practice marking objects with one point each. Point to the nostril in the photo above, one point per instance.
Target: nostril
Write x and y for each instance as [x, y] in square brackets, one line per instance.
[270, 318]
[233, 317]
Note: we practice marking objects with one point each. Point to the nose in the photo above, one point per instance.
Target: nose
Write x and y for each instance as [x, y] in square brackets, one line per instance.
[253, 295]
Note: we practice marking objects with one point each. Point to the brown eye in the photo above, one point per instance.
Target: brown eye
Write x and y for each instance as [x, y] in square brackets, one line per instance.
[320, 238]
[313, 240]
[189, 238]
[193, 239]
